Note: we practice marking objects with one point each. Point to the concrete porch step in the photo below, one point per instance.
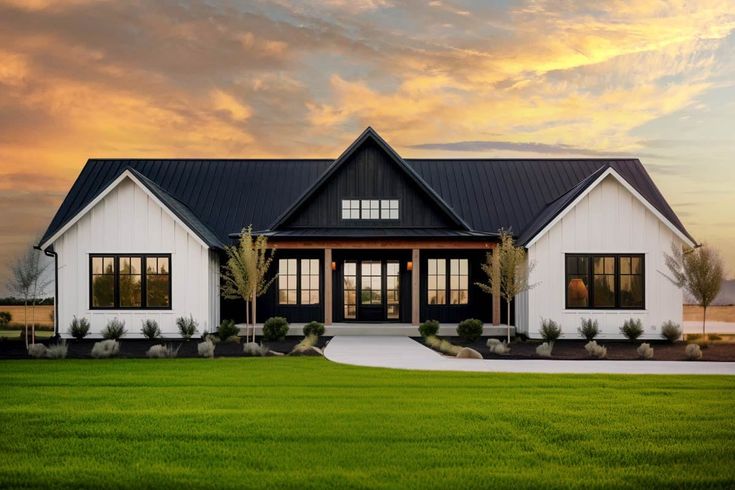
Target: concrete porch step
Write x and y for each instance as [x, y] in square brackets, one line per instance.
[383, 329]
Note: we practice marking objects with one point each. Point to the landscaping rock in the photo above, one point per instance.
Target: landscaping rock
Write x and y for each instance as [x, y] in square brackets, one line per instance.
[308, 351]
[468, 353]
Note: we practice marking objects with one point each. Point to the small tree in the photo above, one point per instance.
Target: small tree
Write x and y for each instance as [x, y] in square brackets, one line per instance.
[26, 281]
[507, 269]
[699, 271]
[244, 273]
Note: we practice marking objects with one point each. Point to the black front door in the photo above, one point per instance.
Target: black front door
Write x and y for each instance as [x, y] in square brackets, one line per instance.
[371, 290]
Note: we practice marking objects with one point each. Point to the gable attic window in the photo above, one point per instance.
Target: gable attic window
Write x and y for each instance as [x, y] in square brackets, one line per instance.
[370, 209]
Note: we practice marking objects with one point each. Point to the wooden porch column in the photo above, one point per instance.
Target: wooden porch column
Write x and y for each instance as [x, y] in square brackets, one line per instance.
[415, 286]
[496, 296]
[327, 286]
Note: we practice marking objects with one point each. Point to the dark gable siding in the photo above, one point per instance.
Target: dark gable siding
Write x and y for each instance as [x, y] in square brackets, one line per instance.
[369, 174]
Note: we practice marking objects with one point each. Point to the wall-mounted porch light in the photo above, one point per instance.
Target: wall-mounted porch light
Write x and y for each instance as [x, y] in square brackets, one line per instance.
[409, 266]
[334, 266]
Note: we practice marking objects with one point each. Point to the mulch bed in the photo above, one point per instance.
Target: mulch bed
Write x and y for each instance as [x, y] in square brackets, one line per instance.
[617, 350]
[136, 348]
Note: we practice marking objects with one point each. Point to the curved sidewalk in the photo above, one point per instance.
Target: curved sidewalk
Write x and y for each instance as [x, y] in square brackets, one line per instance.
[404, 353]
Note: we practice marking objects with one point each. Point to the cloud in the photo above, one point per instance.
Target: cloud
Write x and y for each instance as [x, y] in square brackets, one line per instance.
[536, 148]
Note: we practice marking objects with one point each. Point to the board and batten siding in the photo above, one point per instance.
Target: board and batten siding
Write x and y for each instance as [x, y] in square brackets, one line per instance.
[128, 220]
[609, 219]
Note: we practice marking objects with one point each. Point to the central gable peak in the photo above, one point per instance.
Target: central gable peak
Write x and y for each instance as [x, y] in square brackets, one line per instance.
[369, 185]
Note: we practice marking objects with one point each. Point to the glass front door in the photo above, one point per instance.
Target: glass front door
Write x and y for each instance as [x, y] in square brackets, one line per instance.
[371, 290]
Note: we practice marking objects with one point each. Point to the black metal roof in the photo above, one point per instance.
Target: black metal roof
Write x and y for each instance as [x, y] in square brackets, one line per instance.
[220, 197]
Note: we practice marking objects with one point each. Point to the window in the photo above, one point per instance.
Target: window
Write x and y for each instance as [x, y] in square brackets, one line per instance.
[458, 281]
[456, 292]
[605, 281]
[370, 209]
[130, 282]
[305, 290]
[309, 281]
[349, 286]
[371, 290]
[389, 209]
[393, 289]
[287, 281]
[350, 209]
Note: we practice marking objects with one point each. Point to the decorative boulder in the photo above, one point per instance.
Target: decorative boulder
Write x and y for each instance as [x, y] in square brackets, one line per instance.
[37, 350]
[693, 352]
[468, 353]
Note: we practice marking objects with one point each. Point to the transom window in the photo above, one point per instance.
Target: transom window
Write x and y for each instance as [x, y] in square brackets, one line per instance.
[605, 281]
[456, 290]
[298, 281]
[370, 209]
[130, 282]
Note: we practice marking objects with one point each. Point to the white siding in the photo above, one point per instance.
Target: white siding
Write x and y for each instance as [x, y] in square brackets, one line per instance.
[128, 220]
[608, 220]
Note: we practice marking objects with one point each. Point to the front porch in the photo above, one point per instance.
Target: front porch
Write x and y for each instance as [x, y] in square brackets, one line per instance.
[383, 329]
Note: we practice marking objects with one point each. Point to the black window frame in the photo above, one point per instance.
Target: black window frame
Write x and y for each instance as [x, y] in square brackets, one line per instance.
[116, 282]
[299, 288]
[380, 209]
[448, 281]
[591, 283]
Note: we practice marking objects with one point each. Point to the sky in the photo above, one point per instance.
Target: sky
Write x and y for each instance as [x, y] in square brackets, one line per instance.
[651, 79]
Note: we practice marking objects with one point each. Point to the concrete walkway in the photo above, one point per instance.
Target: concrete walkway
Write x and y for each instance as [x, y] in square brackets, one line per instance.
[404, 353]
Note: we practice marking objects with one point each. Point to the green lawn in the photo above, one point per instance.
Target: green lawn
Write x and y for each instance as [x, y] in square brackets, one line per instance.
[308, 423]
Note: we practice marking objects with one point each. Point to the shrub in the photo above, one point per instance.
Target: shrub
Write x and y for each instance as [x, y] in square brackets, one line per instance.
[645, 351]
[254, 349]
[550, 330]
[632, 328]
[5, 318]
[57, 351]
[106, 348]
[428, 328]
[442, 345]
[150, 329]
[187, 326]
[227, 329]
[275, 328]
[497, 347]
[671, 331]
[544, 350]
[306, 343]
[114, 330]
[206, 348]
[595, 350]
[37, 351]
[162, 351]
[79, 328]
[589, 329]
[211, 337]
[693, 352]
[470, 329]
[314, 328]
[233, 339]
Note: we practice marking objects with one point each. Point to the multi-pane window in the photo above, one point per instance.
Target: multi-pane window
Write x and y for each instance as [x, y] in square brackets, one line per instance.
[389, 209]
[393, 289]
[437, 281]
[287, 275]
[605, 281]
[456, 290]
[349, 287]
[371, 290]
[350, 209]
[309, 281]
[298, 281]
[458, 281]
[370, 209]
[130, 281]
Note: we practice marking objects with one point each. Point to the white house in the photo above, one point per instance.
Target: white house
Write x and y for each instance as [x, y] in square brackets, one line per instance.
[370, 239]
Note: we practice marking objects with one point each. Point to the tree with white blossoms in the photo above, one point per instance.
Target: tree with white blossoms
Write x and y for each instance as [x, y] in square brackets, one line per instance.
[244, 274]
[507, 271]
[698, 271]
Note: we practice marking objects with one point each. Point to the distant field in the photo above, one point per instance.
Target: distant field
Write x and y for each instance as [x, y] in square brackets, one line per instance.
[714, 313]
[44, 314]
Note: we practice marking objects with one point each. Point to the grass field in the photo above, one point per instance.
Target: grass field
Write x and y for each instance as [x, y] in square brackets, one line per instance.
[308, 423]
[714, 313]
[43, 314]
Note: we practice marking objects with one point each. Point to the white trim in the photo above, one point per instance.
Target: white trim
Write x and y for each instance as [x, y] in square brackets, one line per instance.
[129, 175]
[611, 172]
